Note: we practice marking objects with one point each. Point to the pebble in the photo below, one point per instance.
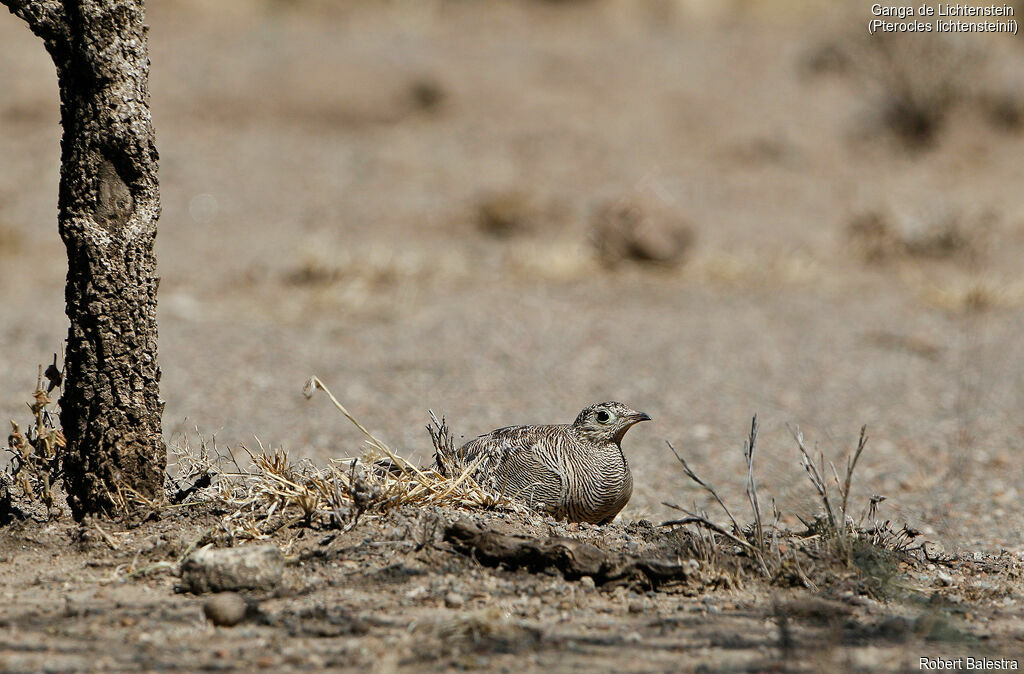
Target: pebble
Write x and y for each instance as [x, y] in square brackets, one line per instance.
[226, 609]
[454, 600]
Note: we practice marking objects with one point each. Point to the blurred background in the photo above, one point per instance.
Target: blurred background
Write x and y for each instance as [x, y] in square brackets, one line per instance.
[504, 211]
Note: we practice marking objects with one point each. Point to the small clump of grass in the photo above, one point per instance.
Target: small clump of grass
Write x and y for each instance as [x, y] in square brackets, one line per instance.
[913, 87]
[751, 539]
[973, 294]
[839, 527]
[36, 467]
[868, 556]
[918, 83]
[509, 213]
[879, 237]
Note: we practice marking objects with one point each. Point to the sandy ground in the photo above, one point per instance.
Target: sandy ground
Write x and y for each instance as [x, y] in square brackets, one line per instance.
[390, 595]
[320, 217]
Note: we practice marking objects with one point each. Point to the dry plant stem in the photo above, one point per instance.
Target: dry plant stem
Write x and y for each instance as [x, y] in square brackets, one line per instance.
[851, 465]
[837, 519]
[36, 456]
[839, 536]
[107, 538]
[693, 476]
[444, 444]
[315, 383]
[707, 524]
[407, 468]
[470, 469]
[755, 506]
[777, 517]
[815, 476]
[808, 583]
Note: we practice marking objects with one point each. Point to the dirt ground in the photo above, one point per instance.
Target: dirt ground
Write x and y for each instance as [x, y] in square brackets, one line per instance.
[325, 170]
[391, 596]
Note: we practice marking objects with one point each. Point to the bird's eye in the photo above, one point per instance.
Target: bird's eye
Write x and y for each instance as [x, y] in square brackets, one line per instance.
[603, 417]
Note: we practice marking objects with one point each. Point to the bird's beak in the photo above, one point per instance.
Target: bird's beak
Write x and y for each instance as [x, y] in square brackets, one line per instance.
[639, 416]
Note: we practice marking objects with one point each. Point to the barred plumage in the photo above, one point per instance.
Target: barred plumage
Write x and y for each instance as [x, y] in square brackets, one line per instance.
[574, 471]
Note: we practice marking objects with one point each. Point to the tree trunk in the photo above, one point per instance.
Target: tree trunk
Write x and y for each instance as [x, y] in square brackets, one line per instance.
[109, 203]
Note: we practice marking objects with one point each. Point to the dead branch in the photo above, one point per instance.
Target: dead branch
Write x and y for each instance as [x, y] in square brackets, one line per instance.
[573, 558]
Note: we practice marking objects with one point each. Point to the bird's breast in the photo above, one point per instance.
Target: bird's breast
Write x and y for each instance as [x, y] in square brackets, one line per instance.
[600, 484]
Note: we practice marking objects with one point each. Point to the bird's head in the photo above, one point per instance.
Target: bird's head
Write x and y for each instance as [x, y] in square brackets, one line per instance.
[607, 422]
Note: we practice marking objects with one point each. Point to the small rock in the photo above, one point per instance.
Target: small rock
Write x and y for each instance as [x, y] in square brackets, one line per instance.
[226, 609]
[587, 582]
[416, 592]
[454, 600]
[226, 569]
[636, 607]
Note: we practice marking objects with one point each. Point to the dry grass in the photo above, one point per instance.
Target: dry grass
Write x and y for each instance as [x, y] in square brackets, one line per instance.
[36, 461]
[920, 81]
[943, 235]
[752, 268]
[270, 491]
[834, 548]
[971, 294]
[914, 86]
[509, 213]
[371, 269]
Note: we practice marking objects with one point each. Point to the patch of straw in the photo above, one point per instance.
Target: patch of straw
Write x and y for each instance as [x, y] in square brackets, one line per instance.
[273, 492]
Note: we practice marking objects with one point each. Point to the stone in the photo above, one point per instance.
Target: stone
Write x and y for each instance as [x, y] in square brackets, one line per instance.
[226, 609]
[256, 567]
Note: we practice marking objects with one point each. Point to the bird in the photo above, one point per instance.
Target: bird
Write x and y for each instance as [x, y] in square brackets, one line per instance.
[576, 472]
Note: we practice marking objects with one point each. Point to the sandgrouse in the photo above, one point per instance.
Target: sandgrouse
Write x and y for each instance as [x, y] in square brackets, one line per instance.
[574, 471]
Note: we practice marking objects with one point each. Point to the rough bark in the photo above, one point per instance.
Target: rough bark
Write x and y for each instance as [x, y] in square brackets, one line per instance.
[108, 205]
